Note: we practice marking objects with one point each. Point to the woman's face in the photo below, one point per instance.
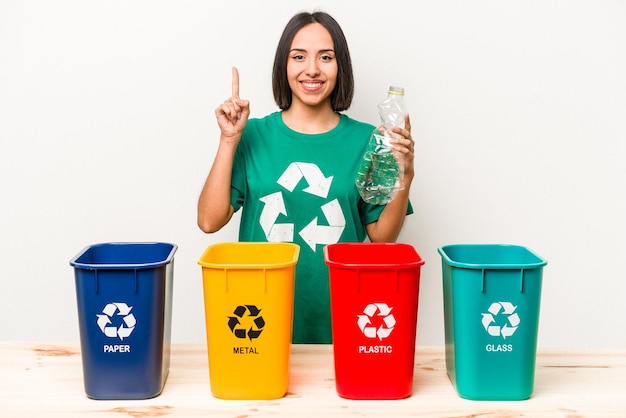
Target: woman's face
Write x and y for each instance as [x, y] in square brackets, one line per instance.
[312, 66]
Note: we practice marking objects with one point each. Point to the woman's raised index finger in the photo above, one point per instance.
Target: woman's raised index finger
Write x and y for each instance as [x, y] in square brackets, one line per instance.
[235, 83]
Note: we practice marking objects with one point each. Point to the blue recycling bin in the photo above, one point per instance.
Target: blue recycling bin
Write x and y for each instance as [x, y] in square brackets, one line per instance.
[124, 298]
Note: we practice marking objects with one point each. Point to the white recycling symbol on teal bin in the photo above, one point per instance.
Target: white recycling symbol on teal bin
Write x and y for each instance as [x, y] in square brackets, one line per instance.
[498, 310]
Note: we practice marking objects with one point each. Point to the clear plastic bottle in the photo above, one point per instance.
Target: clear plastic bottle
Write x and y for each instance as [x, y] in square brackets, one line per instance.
[380, 174]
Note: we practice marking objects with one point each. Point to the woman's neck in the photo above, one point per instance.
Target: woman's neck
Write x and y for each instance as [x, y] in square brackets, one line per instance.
[310, 120]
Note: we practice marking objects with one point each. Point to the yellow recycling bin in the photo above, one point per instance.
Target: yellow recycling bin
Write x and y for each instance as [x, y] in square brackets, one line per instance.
[248, 300]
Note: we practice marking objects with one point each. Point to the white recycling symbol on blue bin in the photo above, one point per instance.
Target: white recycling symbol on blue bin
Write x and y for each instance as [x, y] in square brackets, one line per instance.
[111, 311]
[497, 309]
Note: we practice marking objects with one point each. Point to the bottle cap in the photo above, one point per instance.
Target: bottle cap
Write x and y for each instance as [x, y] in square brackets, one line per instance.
[396, 90]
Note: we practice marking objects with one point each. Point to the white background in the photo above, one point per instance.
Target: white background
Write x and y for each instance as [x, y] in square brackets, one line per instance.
[518, 109]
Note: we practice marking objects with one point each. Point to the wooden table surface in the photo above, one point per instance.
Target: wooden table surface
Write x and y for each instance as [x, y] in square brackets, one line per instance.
[45, 380]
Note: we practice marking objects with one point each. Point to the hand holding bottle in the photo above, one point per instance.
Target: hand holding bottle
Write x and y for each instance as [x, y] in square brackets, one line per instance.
[390, 150]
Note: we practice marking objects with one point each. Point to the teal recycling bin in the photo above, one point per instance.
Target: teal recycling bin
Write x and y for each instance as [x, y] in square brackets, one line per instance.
[492, 294]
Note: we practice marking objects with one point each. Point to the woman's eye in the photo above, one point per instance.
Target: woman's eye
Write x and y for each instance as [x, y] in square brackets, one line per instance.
[326, 58]
[298, 57]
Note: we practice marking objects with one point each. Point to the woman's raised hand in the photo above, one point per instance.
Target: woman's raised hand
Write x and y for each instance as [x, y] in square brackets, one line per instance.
[232, 115]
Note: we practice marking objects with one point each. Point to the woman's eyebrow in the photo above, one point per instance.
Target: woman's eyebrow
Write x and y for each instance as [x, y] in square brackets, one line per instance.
[304, 50]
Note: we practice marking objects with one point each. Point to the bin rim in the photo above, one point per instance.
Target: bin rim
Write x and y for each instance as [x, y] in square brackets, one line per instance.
[119, 266]
[408, 264]
[486, 266]
[248, 266]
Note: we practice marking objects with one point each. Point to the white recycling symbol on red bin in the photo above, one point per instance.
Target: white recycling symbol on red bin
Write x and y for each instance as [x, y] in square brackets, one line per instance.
[497, 308]
[376, 310]
[127, 324]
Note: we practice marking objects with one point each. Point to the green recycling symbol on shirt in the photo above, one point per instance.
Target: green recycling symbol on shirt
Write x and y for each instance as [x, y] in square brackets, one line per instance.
[312, 233]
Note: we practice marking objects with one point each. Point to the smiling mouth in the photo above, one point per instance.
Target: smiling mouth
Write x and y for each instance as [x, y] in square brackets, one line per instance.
[308, 85]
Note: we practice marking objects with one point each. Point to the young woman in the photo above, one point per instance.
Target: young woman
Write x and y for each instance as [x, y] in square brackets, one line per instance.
[293, 171]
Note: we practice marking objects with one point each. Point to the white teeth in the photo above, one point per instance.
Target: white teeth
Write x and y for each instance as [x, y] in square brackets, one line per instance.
[311, 85]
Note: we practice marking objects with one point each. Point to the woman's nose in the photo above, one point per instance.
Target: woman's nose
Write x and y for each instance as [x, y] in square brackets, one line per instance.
[313, 68]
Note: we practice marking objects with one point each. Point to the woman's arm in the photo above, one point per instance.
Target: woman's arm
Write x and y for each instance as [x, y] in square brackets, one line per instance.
[214, 208]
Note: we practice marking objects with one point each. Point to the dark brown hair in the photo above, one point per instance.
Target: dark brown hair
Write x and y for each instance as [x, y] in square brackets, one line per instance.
[341, 97]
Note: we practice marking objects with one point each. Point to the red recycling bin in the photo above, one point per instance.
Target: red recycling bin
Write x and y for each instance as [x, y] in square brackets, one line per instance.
[374, 289]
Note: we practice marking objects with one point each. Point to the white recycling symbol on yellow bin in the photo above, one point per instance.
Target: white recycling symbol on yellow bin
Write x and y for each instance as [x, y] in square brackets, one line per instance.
[128, 320]
[376, 310]
[498, 308]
